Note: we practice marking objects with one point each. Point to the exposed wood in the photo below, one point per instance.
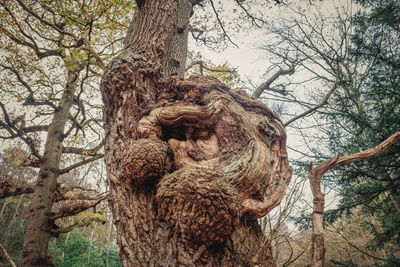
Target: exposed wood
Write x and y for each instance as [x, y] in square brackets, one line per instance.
[315, 176]
[265, 86]
[191, 165]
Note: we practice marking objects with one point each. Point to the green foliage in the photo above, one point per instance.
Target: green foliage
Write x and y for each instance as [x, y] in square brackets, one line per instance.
[75, 249]
[11, 232]
[391, 262]
[366, 114]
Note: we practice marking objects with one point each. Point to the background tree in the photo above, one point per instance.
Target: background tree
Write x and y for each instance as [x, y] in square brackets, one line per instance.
[353, 57]
[53, 54]
[373, 185]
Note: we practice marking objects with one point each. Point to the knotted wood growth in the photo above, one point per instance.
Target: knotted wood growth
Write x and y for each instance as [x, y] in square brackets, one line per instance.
[191, 165]
[207, 125]
[207, 157]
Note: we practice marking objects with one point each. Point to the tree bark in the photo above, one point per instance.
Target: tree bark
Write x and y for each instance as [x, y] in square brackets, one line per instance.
[39, 225]
[191, 165]
[315, 176]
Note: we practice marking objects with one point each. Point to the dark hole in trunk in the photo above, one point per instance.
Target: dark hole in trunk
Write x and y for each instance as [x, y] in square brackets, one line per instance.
[177, 133]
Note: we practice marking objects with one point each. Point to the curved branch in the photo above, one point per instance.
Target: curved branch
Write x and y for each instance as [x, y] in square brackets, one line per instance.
[354, 246]
[221, 24]
[266, 85]
[311, 110]
[315, 176]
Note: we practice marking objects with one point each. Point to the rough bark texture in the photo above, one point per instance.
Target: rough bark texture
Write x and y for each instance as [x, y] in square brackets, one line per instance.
[315, 176]
[191, 165]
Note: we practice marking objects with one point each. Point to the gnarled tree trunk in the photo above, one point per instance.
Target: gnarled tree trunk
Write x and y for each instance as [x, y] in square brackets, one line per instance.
[191, 165]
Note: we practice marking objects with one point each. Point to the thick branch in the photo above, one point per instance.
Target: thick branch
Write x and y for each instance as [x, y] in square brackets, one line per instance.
[82, 151]
[316, 174]
[78, 225]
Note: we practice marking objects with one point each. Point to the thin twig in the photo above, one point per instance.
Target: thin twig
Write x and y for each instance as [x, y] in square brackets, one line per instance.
[9, 259]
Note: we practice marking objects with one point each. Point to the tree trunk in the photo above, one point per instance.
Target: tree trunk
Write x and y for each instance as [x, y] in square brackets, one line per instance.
[191, 165]
[39, 225]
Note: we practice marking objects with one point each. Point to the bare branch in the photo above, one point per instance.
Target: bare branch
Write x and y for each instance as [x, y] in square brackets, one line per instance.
[81, 163]
[266, 85]
[311, 110]
[9, 189]
[354, 246]
[9, 259]
[221, 24]
[315, 176]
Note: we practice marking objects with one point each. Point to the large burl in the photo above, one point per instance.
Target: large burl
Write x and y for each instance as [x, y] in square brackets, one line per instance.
[221, 156]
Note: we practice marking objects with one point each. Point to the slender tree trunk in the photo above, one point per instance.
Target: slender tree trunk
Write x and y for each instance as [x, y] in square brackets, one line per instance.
[10, 226]
[38, 223]
[315, 176]
[317, 237]
[190, 164]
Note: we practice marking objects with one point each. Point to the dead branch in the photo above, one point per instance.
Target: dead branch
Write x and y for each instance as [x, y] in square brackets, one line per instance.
[266, 86]
[68, 210]
[315, 176]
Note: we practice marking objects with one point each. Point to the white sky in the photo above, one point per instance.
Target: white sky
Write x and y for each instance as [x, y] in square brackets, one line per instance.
[252, 62]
